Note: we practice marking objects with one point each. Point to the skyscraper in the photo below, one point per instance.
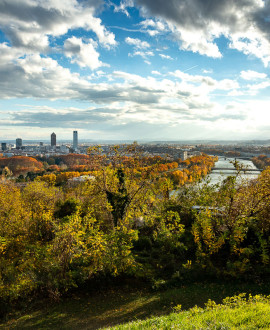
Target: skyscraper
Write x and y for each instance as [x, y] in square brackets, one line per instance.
[53, 139]
[75, 140]
[4, 146]
[18, 143]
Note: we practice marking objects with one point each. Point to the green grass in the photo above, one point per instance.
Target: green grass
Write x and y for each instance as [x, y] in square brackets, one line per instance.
[253, 314]
[120, 304]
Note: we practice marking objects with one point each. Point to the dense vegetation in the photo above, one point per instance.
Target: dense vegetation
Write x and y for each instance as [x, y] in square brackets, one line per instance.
[261, 161]
[126, 222]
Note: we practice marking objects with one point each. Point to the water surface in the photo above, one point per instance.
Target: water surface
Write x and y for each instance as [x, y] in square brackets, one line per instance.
[218, 175]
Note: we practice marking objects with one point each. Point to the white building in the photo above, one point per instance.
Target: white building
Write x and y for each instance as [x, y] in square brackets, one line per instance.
[183, 155]
[75, 140]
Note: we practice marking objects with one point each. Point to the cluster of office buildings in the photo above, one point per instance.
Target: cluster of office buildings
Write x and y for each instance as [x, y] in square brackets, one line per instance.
[41, 148]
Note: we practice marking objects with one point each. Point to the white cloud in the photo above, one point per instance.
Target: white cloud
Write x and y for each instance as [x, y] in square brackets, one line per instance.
[38, 77]
[207, 71]
[252, 75]
[191, 40]
[137, 43]
[148, 22]
[257, 87]
[144, 55]
[131, 101]
[152, 33]
[197, 24]
[167, 57]
[252, 43]
[8, 53]
[123, 7]
[156, 24]
[194, 78]
[84, 54]
[139, 47]
[227, 84]
[34, 27]
[28, 24]
[236, 93]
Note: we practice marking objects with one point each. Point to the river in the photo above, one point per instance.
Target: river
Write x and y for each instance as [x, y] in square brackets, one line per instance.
[218, 175]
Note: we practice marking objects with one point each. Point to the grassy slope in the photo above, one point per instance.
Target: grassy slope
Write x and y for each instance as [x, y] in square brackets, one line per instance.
[120, 304]
[245, 315]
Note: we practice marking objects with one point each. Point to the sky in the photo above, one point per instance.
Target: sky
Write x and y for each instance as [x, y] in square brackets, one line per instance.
[135, 69]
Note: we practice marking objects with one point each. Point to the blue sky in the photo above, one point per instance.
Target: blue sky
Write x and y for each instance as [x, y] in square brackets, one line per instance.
[135, 69]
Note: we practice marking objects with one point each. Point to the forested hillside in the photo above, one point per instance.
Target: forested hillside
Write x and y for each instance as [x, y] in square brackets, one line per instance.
[126, 221]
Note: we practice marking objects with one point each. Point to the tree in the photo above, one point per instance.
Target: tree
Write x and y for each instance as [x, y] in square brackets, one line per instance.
[7, 173]
[124, 182]
[39, 200]
[232, 230]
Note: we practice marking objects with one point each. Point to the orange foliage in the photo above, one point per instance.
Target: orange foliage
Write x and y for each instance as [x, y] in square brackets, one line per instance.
[79, 168]
[54, 168]
[64, 176]
[195, 168]
[75, 159]
[261, 161]
[21, 164]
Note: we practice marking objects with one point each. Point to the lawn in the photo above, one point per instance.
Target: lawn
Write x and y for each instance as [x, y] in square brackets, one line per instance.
[252, 314]
[117, 304]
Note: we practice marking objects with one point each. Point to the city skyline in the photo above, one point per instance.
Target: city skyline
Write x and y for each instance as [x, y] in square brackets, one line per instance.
[135, 69]
[52, 139]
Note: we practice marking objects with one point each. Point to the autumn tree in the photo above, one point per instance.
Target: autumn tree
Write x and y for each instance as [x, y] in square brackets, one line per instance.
[21, 164]
[232, 230]
[123, 180]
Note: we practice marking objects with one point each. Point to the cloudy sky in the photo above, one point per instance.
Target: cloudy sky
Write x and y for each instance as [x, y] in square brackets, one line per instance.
[135, 69]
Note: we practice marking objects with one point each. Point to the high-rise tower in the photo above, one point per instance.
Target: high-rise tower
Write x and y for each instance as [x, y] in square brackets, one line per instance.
[18, 143]
[4, 146]
[75, 140]
[53, 139]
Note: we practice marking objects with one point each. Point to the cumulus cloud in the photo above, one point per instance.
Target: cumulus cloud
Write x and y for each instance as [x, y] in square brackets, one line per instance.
[181, 95]
[198, 23]
[43, 78]
[36, 29]
[8, 53]
[84, 54]
[149, 103]
[28, 24]
[38, 77]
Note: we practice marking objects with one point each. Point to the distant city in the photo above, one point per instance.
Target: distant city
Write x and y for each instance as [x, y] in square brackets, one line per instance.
[171, 149]
[34, 148]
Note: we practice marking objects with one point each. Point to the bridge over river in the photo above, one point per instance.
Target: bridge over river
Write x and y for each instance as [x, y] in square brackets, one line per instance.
[225, 169]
